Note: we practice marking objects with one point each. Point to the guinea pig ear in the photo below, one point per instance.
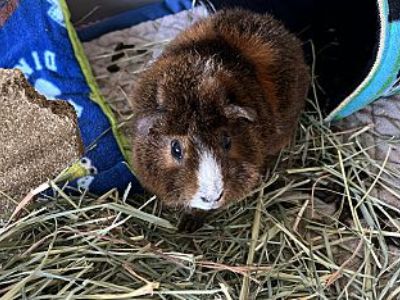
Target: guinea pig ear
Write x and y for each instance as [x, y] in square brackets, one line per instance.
[143, 125]
[235, 112]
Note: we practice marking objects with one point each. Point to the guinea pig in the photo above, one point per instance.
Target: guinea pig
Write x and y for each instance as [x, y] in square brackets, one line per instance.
[210, 112]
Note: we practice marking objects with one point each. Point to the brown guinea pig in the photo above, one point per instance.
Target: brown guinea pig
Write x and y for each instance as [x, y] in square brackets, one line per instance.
[221, 100]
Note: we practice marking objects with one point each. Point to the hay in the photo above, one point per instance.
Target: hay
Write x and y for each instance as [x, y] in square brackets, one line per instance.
[279, 243]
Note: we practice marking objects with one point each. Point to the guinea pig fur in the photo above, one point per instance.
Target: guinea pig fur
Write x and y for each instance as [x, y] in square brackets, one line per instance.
[221, 100]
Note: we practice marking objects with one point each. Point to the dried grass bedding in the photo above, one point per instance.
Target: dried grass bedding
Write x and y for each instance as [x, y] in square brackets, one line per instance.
[316, 229]
[279, 243]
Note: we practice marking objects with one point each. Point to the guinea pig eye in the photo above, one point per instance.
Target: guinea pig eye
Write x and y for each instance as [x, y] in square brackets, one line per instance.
[176, 150]
[226, 142]
[231, 97]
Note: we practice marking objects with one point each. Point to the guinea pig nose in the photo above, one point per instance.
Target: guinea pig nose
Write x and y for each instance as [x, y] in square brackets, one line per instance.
[208, 199]
[204, 199]
[219, 197]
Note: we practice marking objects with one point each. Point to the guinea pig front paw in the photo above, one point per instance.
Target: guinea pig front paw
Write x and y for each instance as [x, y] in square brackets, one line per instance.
[190, 223]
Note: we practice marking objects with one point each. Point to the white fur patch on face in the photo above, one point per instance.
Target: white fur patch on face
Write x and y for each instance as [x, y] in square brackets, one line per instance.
[210, 183]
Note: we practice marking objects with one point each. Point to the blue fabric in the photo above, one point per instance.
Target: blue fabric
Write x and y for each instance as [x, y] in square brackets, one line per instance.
[133, 17]
[386, 78]
[34, 39]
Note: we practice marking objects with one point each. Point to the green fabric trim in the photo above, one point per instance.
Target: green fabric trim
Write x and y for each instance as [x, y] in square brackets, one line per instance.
[95, 94]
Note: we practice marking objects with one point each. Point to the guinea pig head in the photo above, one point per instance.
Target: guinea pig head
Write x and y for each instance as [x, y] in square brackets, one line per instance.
[195, 136]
